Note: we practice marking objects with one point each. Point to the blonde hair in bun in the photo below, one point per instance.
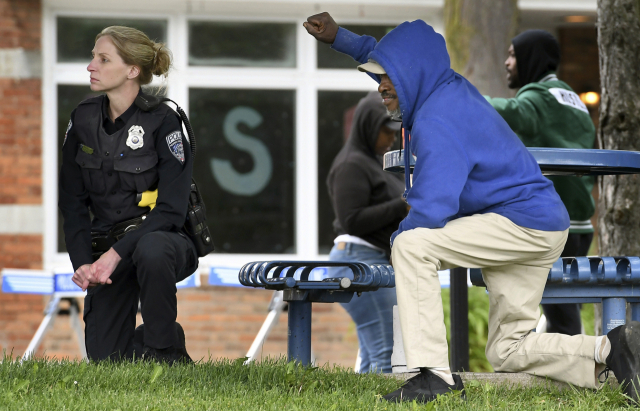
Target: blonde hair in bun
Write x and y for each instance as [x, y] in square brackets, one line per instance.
[135, 48]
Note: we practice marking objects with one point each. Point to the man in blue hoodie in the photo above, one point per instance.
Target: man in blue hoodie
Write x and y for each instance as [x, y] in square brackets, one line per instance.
[478, 200]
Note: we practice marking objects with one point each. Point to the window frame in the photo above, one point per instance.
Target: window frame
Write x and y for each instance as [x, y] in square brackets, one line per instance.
[305, 79]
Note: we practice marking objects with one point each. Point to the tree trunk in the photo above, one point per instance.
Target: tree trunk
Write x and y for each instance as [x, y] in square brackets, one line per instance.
[619, 128]
[478, 34]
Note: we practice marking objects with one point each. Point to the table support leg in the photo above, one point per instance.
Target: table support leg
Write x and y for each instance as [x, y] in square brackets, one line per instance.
[635, 311]
[459, 319]
[299, 341]
[614, 313]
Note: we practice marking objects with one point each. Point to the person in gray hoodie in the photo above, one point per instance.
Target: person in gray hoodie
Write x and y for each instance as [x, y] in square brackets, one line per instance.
[368, 206]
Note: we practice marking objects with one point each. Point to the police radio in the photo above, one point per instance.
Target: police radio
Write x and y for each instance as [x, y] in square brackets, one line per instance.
[196, 223]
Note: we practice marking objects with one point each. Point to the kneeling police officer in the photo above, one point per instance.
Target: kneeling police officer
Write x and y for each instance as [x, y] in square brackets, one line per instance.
[113, 151]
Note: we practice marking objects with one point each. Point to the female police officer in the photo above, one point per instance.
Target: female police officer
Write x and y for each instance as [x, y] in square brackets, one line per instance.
[113, 151]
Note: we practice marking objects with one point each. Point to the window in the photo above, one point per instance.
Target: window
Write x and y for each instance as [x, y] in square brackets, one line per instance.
[68, 99]
[242, 44]
[335, 113]
[329, 59]
[245, 167]
[76, 36]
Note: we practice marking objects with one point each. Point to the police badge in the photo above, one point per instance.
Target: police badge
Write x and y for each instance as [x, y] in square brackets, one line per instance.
[135, 137]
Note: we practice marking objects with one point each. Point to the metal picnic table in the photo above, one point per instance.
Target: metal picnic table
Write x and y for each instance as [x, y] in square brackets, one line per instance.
[292, 278]
[613, 281]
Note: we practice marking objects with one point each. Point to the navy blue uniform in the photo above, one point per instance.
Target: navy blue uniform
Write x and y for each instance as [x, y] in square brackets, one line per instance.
[104, 166]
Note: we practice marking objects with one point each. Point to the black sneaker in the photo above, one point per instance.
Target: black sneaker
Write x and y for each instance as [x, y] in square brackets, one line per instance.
[624, 357]
[425, 387]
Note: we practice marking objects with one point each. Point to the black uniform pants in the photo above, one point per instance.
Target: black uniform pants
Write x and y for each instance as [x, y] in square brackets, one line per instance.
[565, 318]
[160, 260]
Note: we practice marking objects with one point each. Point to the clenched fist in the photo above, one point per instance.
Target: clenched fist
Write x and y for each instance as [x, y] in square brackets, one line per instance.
[322, 27]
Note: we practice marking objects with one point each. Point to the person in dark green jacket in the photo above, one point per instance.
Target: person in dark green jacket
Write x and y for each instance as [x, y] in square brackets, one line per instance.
[546, 112]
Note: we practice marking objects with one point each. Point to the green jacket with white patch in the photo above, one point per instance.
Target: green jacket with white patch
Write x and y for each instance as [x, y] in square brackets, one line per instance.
[549, 114]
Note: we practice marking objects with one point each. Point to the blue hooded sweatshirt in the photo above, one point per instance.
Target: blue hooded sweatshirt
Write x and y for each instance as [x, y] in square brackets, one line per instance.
[468, 161]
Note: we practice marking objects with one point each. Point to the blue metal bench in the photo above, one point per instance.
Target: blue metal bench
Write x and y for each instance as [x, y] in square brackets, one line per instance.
[300, 292]
[612, 281]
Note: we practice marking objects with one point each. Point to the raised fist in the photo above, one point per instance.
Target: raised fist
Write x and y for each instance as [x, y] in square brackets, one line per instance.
[322, 27]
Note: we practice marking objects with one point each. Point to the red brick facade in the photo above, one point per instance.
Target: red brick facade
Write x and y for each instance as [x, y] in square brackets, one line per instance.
[218, 322]
[20, 169]
[20, 141]
[20, 22]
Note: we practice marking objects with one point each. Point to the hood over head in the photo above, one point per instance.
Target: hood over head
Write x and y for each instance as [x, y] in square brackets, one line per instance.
[369, 117]
[416, 60]
[537, 53]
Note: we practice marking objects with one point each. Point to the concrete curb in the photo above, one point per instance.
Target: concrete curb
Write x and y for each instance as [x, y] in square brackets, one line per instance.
[512, 380]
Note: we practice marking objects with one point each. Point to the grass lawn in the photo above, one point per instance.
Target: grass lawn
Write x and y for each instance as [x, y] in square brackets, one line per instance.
[269, 385]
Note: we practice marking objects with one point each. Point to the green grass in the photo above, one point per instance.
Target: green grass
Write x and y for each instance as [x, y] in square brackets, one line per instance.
[269, 385]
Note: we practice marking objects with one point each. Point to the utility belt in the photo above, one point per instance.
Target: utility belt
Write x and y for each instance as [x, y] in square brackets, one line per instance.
[101, 242]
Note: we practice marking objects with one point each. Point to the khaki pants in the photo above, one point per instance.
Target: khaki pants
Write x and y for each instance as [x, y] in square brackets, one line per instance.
[515, 262]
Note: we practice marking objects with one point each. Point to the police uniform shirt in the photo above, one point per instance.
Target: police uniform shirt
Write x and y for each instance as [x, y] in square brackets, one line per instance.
[101, 173]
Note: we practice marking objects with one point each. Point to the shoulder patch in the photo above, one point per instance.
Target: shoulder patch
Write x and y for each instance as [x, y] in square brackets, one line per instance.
[67, 132]
[568, 98]
[174, 141]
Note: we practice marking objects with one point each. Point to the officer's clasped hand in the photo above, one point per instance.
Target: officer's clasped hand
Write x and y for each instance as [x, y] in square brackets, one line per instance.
[81, 277]
[90, 275]
[322, 27]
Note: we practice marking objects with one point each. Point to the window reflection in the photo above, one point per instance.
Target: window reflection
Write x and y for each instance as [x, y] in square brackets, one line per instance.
[68, 99]
[76, 36]
[335, 114]
[242, 44]
[330, 59]
[245, 167]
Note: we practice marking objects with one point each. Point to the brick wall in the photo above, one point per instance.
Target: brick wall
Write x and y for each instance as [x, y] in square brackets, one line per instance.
[20, 141]
[20, 24]
[223, 322]
[20, 169]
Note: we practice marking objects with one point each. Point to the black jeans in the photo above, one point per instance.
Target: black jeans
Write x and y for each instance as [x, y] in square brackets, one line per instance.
[565, 318]
[160, 260]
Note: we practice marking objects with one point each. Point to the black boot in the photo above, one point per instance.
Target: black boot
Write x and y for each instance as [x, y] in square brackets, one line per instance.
[624, 357]
[138, 341]
[170, 355]
[425, 387]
